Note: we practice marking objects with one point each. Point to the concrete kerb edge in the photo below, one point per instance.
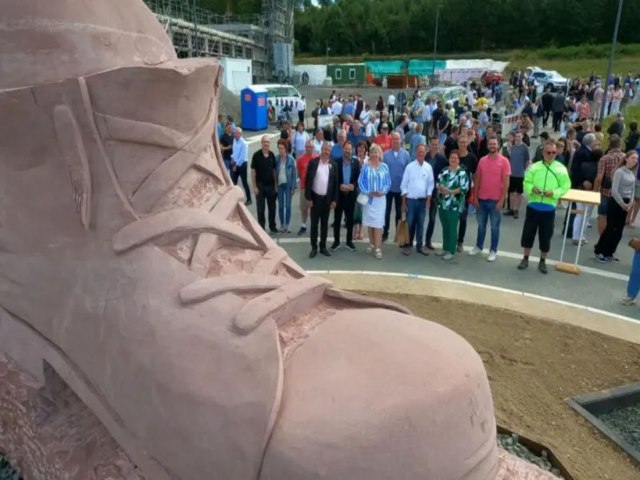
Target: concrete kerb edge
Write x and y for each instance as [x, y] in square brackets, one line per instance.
[601, 327]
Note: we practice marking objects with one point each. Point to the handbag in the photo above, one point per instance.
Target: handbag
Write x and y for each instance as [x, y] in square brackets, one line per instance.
[362, 199]
[635, 244]
[402, 232]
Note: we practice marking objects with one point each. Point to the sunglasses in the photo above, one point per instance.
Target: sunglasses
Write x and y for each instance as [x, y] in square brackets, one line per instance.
[550, 152]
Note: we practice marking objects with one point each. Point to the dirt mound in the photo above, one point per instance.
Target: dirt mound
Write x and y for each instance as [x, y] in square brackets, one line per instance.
[229, 104]
[533, 366]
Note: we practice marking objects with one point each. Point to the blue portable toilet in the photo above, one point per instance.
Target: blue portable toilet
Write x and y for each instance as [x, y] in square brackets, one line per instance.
[253, 104]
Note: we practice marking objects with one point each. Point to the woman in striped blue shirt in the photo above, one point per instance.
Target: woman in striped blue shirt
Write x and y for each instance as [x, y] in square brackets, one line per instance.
[374, 183]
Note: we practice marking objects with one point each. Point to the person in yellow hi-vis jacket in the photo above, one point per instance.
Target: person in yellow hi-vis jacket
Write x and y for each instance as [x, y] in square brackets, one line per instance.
[544, 183]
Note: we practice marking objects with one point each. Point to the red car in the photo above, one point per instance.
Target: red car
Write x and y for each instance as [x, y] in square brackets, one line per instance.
[491, 76]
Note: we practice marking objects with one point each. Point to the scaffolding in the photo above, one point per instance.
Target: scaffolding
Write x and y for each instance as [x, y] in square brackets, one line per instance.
[278, 27]
[266, 39]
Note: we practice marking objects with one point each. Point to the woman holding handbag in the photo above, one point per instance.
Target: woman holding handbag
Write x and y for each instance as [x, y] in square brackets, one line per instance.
[374, 183]
[621, 202]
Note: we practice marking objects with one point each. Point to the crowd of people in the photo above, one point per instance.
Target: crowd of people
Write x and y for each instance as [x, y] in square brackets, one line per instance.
[443, 165]
[580, 100]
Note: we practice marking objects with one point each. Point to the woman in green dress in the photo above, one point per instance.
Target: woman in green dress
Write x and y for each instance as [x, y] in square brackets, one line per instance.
[453, 185]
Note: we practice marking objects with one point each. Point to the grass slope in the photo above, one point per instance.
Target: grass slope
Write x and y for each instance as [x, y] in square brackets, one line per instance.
[571, 61]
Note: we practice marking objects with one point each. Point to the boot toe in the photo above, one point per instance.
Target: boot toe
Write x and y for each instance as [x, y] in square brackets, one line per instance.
[375, 394]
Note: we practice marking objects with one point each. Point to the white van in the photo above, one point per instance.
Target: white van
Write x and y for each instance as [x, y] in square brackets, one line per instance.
[281, 95]
[278, 94]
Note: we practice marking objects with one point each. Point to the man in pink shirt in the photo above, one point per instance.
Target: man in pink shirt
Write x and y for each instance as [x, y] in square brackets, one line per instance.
[491, 184]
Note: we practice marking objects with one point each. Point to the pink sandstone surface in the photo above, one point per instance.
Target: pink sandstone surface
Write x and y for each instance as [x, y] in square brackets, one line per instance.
[149, 328]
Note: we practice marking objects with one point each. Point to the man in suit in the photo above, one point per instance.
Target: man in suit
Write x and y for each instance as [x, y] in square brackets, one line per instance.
[348, 173]
[322, 191]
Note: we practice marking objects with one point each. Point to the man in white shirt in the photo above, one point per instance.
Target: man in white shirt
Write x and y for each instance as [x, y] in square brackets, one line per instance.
[239, 153]
[391, 103]
[318, 141]
[416, 187]
[336, 108]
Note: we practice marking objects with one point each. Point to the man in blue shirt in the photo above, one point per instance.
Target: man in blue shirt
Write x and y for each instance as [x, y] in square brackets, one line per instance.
[350, 107]
[396, 160]
[336, 150]
[239, 155]
[356, 135]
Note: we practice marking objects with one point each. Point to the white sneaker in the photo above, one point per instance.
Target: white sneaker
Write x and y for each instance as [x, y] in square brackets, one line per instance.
[492, 256]
[474, 251]
[447, 256]
[379, 254]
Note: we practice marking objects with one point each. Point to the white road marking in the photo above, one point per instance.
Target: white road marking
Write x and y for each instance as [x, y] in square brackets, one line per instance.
[479, 285]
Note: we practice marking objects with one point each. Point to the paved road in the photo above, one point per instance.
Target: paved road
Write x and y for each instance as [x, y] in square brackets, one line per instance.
[599, 286]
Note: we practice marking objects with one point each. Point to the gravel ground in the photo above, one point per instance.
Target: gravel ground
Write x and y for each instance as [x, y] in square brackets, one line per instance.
[512, 445]
[6, 472]
[626, 422]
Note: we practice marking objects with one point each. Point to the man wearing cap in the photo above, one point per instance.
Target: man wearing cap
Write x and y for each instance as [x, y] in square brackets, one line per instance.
[544, 183]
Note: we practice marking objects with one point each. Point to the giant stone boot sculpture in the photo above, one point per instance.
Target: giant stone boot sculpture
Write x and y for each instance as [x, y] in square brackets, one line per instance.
[131, 270]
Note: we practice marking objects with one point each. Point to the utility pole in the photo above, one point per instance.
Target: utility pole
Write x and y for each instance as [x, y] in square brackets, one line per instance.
[194, 41]
[435, 43]
[610, 67]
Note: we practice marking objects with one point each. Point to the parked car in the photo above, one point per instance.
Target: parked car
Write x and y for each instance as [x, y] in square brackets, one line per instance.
[445, 94]
[559, 82]
[549, 79]
[490, 76]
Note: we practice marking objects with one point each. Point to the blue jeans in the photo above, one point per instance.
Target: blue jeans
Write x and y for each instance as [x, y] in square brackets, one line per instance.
[487, 209]
[284, 204]
[634, 277]
[415, 219]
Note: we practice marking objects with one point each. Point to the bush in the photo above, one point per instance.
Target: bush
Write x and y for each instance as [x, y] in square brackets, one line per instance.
[586, 51]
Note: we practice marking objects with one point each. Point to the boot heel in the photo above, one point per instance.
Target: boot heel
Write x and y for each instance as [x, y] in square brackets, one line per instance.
[54, 371]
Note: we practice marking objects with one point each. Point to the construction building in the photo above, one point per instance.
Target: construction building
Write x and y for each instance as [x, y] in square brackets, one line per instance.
[266, 38]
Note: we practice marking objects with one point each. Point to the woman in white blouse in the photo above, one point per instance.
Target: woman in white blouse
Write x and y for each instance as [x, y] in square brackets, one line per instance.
[373, 184]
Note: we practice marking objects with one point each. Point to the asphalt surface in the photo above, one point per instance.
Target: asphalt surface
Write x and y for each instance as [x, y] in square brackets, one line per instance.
[599, 286]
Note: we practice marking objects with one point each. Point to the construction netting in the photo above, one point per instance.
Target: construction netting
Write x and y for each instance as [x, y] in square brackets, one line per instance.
[423, 68]
[382, 68]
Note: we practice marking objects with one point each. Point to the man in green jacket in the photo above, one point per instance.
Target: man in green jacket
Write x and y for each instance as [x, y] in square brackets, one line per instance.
[544, 183]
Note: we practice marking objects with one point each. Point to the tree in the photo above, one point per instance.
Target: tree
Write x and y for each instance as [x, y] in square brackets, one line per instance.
[355, 27]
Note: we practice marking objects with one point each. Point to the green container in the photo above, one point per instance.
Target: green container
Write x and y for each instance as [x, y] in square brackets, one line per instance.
[347, 73]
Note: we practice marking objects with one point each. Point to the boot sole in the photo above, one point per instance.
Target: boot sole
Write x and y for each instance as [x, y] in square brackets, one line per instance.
[31, 350]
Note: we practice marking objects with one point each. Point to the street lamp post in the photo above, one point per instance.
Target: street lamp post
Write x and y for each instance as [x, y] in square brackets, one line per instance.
[435, 43]
[610, 67]
[194, 40]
